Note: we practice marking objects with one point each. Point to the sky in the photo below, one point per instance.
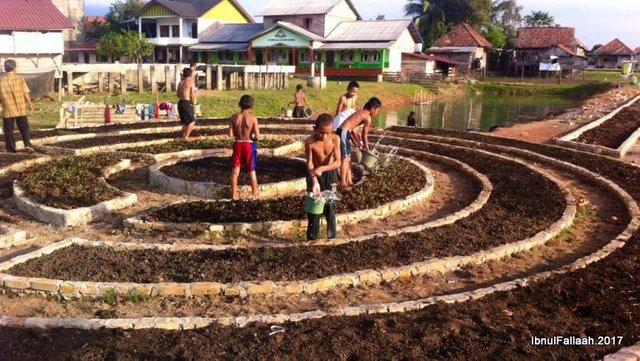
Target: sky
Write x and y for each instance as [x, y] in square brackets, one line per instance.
[596, 21]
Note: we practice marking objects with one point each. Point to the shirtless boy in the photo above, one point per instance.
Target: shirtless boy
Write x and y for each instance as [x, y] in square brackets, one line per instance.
[300, 100]
[345, 132]
[243, 126]
[346, 104]
[322, 150]
[187, 96]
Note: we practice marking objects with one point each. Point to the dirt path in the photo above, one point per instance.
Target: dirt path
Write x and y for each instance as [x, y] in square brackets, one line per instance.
[545, 130]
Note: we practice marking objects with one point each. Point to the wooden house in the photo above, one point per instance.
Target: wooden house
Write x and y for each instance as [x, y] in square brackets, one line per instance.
[613, 54]
[464, 46]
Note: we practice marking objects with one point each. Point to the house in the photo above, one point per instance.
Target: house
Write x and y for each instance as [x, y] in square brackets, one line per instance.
[73, 10]
[86, 52]
[31, 32]
[174, 25]
[464, 46]
[613, 54]
[306, 33]
[548, 49]
[422, 65]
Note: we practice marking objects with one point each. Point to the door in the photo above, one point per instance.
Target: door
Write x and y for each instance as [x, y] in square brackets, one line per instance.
[331, 59]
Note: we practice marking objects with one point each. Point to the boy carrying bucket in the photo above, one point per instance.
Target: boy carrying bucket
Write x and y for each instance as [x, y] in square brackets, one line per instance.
[347, 133]
[322, 151]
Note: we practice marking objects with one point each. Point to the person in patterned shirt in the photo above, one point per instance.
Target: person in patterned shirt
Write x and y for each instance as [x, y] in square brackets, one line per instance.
[14, 97]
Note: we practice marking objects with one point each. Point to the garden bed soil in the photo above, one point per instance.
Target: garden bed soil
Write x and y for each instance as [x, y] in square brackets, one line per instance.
[217, 170]
[523, 203]
[377, 189]
[615, 131]
[70, 182]
[155, 125]
[181, 145]
[595, 301]
[7, 159]
[135, 138]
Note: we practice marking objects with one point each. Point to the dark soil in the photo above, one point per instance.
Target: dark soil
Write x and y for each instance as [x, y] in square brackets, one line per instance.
[155, 125]
[7, 159]
[70, 182]
[133, 138]
[615, 131]
[181, 145]
[523, 203]
[217, 170]
[377, 190]
[596, 301]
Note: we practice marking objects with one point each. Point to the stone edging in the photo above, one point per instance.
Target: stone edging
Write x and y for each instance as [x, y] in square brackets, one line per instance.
[212, 190]
[77, 216]
[12, 237]
[22, 165]
[368, 277]
[290, 226]
[150, 130]
[52, 149]
[407, 306]
[569, 139]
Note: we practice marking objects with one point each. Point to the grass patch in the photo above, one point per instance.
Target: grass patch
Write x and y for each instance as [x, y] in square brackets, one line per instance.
[224, 103]
[579, 91]
[110, 297]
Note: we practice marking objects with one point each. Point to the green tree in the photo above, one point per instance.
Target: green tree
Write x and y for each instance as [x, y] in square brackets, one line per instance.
[506, 15]
[109, 46]
[134, 45]
[434, 18]
[539, 19]
[121, 11]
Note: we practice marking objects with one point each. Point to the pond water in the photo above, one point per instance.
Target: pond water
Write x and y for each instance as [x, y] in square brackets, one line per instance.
[478, 112]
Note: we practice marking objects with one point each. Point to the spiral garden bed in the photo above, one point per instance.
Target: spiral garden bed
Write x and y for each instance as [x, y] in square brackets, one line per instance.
[520, 205]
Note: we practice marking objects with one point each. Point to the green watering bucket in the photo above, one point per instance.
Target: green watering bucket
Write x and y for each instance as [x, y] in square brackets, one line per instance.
[312, 205]
[369, 159]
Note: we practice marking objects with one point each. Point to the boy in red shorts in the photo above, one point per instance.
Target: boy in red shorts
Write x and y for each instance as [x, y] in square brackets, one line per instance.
[243, 126]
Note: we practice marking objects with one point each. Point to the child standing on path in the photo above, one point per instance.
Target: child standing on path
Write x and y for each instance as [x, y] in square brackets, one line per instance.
[345, 132]
[322, 151]
[187, 96]
[411, 119]
[300, 100]
[243, 126]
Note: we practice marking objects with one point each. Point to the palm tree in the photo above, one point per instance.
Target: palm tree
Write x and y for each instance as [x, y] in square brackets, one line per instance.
[428, 17]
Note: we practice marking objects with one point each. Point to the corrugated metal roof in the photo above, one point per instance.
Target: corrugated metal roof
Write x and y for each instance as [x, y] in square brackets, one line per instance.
[452, 49]
[350, 46]
[191, 8]
[226, 46]
[374, 31]
[310, 7]
[233, 33]
[31, 15]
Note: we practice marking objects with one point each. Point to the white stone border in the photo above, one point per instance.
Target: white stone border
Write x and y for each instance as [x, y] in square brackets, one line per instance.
[12, 237]
[299, 225]
[77, 216]
[184, 323]
[19, 166]
[368, 277]
[212, 190]
[116, 147]
[569, 140]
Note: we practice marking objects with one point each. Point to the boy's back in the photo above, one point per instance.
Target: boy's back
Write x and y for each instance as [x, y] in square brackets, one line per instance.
[359, 117]
[243, 125]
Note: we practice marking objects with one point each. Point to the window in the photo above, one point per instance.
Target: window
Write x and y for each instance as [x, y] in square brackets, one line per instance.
[304, 56]
[347, 56]
[164, 31]
[194, 30]
[371, 57]
[224, 55]
[175, 31]
[278, 56]
[243, 56]
[307, 23]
